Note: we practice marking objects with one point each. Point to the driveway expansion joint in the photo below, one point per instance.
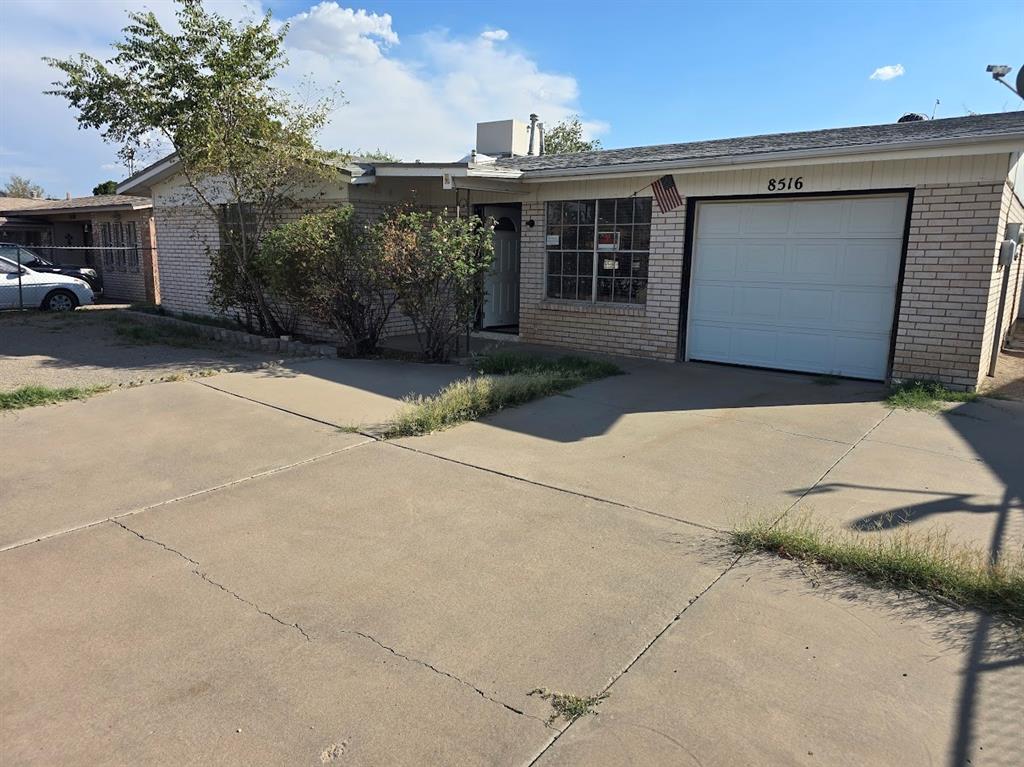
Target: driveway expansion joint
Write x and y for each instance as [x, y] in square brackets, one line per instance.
[625, 670]
[186, 497]
[535, 483]
[212, 582]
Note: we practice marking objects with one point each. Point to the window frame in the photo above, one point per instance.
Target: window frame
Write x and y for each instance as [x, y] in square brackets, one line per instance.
[605, 284]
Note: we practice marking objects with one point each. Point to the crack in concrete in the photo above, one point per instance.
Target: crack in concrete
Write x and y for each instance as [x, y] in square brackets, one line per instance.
[363, 635]
[212, 582]
[442, 672]
[625, 670]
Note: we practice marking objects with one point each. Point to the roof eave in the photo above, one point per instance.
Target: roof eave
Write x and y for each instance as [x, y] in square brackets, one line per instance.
[986, 144]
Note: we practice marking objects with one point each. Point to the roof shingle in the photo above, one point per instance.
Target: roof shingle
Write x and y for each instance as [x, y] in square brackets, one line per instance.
[866, 136]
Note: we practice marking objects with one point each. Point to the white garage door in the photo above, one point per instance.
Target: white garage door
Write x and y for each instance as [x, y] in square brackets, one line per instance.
[805, 285]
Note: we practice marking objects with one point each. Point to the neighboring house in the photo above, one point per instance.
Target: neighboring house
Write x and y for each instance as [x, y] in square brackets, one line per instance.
[869, 252]
[113, 234]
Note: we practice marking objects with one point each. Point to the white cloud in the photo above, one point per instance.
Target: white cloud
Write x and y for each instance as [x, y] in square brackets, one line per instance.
[423, 98]
[887, 72]
[419, 96]
[331, 30]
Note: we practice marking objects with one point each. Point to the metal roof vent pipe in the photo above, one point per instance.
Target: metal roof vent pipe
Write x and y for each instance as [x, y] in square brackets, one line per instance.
[536, 136]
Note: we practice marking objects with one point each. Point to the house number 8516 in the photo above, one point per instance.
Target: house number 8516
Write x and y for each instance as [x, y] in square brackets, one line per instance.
[782, 184]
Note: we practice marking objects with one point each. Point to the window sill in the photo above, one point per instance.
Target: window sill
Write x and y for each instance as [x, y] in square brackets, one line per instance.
[592, 307]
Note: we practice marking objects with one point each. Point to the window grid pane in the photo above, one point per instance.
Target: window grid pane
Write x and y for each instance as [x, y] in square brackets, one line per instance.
[577, 270]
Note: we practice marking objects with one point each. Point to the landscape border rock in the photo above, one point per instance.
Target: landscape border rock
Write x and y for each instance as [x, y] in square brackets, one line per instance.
[237, 338]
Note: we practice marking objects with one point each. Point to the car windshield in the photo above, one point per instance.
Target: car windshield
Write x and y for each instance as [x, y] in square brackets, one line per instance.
[7, 266]
[31, 258]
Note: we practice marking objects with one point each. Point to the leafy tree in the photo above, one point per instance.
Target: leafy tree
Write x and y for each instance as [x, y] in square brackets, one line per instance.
[437, 263]
[326, 264]
[105, 187]
[245, 149]
[19, 186]
[566, 137]
[377, 154]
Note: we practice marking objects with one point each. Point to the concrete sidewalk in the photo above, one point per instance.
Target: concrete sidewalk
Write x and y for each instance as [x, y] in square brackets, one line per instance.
[220, 580]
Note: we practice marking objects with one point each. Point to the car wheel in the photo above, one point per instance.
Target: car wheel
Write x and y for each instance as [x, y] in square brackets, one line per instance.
[60, 301]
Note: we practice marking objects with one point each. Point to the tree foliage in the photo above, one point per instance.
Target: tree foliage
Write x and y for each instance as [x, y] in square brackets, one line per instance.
[105, 187]
[566, 137]
[326, 264]
[378, 154]
[19, 186]
[243, 146]
[437, 263]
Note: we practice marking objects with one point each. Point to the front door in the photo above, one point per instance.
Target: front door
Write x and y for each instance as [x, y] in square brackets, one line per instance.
[501, 300]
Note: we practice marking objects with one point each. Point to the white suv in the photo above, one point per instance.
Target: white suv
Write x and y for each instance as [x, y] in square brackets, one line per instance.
[21, 286]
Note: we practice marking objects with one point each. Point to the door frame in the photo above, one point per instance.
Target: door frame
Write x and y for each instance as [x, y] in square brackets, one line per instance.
[688, 248]
[515, 211]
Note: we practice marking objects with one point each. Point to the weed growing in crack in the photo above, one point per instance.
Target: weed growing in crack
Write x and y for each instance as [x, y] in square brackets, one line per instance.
[569, 707]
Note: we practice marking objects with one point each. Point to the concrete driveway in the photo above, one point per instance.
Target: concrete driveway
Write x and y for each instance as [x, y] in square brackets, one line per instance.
[219, 574]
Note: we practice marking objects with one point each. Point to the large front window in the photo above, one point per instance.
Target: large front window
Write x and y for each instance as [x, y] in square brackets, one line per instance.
[597, 250]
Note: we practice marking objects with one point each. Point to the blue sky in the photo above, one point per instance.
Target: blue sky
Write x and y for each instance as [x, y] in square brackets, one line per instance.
[418, 75]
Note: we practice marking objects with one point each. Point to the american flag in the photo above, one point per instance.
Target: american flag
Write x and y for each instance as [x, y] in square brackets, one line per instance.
[666, 193]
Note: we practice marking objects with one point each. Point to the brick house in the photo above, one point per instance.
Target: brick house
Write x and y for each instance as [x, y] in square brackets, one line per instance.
[113, 234]
[873, 252]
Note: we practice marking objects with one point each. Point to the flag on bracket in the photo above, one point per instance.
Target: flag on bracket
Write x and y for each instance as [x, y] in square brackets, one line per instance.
[666, 193]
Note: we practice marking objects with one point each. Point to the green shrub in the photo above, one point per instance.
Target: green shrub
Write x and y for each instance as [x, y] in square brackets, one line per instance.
[325, 264]
[438, 263]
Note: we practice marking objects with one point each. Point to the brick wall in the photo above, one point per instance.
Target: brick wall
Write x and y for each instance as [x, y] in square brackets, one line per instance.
[1011, 211]
[651, 330]
[947, 285]
[124, 281]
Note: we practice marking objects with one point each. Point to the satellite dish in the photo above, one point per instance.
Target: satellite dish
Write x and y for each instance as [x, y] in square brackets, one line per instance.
[912, 117]
[1020, 82]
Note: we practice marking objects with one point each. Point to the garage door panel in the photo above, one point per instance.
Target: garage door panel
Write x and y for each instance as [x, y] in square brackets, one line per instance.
[818, 217]
[762, 261]
[767, 219]
[864, 310]
[720, 260]
[883, 216]
[871, 263]
[758, 303]
[713, 302]
[805, 305]
[805, 285]
[817, 261]
[723, 219]
[862, 356]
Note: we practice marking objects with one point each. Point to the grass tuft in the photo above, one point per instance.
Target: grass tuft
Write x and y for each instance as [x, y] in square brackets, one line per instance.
[569, 707]
[508, 380]
[166, 335]
[925, 395]
[511, 363]
[924, 561]
[31, 396]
